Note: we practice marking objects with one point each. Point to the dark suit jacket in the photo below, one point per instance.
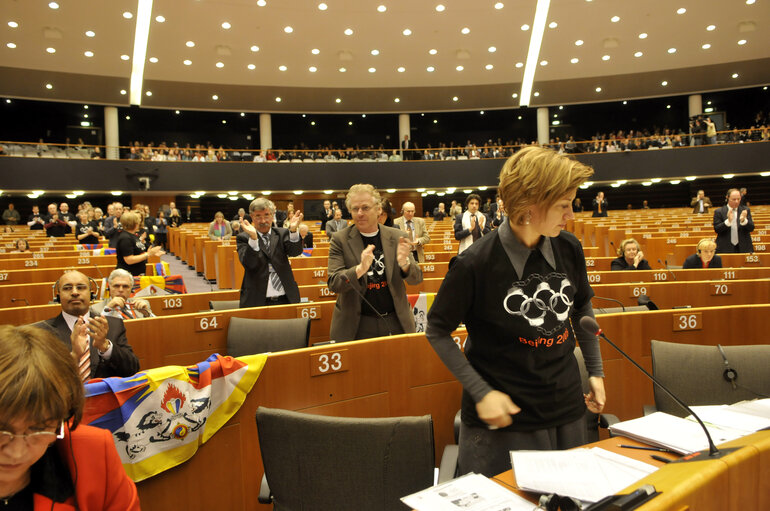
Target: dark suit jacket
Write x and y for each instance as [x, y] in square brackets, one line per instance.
[344, 255]
[595, 207]
[122, 362]
[255, 264]
[694, 262]
[696, 207]
[307, 241]
[723, 231]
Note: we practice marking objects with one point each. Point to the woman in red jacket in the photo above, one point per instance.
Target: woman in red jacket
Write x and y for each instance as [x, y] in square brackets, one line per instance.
[47, 461]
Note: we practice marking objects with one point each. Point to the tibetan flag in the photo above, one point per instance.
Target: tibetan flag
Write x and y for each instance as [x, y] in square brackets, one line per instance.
[161, 269]
[307, 252]
[159, 417]
[89, 246]
[154, 286]
[420, 306]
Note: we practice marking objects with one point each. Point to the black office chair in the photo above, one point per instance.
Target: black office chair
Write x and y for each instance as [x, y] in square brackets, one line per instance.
[340, 463]
[594, 421]
[247, 336]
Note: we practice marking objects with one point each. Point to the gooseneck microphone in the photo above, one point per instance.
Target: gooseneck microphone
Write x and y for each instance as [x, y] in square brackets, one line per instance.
[612, 300]
[367, 302]
[665, 263]
[589, 324]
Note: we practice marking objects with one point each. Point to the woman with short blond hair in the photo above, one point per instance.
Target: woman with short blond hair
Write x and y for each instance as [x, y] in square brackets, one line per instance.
[704, 256]
[131, 251]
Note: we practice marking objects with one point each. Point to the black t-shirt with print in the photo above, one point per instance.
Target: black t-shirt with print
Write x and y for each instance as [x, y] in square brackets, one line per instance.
[127, 245]
[83, 228]
[377, 291]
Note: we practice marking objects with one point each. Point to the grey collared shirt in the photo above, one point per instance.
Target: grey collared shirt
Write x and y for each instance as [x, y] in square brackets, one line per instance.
[518, 253]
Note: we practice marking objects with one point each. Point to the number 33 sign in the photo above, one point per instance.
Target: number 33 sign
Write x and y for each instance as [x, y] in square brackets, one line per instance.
[328, 363]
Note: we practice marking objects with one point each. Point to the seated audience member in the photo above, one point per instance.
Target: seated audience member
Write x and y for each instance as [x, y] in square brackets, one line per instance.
[305, 236]
[55, 226]
[219, 229]
[336, 224]
[704, 256]
[35, 221]
[241, 215]
[106, 352]
[631, 257]
[235, 225]
[47, 459]
[131, 252]
[11, 216]
[700, 203]
[86, 232]
[439, 213]
[22, 245]
[120, 303]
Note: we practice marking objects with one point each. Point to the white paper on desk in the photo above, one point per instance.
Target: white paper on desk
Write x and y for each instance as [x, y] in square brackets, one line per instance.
[728, 417]
[680, 435]
[756, 407]
[471, 492]
[586, 474]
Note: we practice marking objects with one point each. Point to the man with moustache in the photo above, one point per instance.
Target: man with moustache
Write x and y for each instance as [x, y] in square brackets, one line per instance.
[264, 252]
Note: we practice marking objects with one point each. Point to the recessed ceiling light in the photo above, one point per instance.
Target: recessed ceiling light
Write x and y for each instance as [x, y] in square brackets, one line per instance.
[154, 60]
[342, 70]
[605, 57]
[160, 19]
[123, 92]
[711, 27]
[190, 44]
[519, 64]
[574, 60]
[348, 31]
[598, 89]
[11, 45]
[254, 48]
[488, 67]
[261, 3]
[543, 62]
[226, 25]
[220, 65]
[375, 52]
[338, 100]
[251, 66]
[187, 62]
[455, 98]
[278, 100]
[579, 42]
[735, 75]
[401, 69]
[681, 10]
[215, 97]
[312, 69]
[381, 8]
[315, 51]
[88, 53]
[499, 5]
[706, 46]
[13, 24]
[553, 24]
[282, 68]
[396, 100]
[48, 86]
[742, 42]
[465, 30]
[459, 68]
[148, 93]
[322, 6]
[430, 69]
[433, 51]
[750, 2]
[372, 70]
[664, 83]
[407, 32]
[525, 27]
[638, 54]
[536, 94]
[128, 15]
[51, 50]
[643, 35]
[350, 123]
[491, 49]
[615, 19]
[514, 96]
[176, 112]
[440, 8]
[90, 33]
[672, 50]
[668, 107]
[288, 29]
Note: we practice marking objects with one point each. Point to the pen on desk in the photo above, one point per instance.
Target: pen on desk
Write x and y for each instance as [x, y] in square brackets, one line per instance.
[660, 458]
[643, 448]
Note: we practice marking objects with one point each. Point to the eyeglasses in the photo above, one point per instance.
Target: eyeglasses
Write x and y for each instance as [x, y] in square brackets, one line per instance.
[363, 209]
[554, 502]
[36, 439]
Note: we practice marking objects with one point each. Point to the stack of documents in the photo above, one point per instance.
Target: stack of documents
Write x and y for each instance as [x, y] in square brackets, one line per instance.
[472, 492]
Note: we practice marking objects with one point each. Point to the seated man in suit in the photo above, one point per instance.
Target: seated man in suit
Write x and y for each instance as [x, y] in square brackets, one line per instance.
[700, 203]
[306, 236]
[264, 252]
[369, 264]
[704, 256]
[415, 230]
[733, 225]
[336, 224]
[109, 353]
[120, 304]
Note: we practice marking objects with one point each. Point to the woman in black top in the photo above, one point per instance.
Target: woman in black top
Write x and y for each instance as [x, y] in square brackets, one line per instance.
[631, 257]
[131, 252]
[86, 231]
[520, 291]
[704, 256]
[174, 220]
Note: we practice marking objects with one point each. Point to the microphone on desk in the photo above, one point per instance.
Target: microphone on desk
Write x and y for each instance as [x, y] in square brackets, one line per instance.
[614, 250]
[382, 318]
[611, 300]
[14, 300]
[645, 301]
[665, 263]
[589, 324]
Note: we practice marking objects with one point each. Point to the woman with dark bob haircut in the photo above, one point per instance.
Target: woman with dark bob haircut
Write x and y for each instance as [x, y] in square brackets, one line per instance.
[46, 459]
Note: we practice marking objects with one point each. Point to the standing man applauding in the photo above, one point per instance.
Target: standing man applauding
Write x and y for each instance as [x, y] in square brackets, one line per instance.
[471, 225]
[733, 225]
[264, 252]
[415, 230]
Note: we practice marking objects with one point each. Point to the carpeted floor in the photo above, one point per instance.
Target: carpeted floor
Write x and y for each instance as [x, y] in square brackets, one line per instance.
[194, 282]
